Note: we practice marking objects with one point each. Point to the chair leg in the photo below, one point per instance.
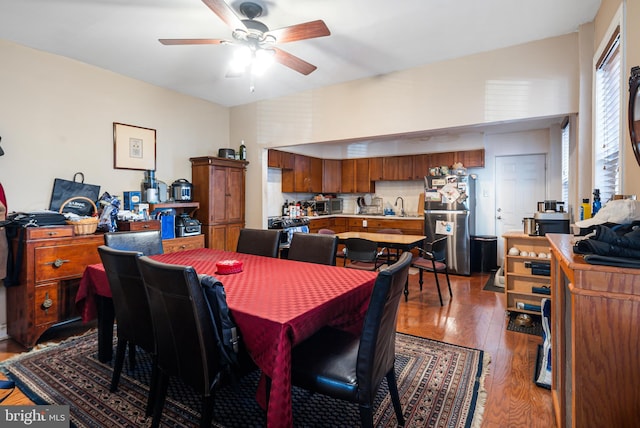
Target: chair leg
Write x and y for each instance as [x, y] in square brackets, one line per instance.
[438, 286]
[366, 416]
[420, 278]
[395, 397]
[446, 273]
[121, 347]
[161, 394]
[406, 290]
[153, 387]
[207, 411]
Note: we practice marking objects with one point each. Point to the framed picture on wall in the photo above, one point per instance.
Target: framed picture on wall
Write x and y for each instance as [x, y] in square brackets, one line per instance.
[134, 147]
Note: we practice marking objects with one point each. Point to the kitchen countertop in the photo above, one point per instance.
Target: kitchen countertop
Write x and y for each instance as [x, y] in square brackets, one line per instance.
[390, 217]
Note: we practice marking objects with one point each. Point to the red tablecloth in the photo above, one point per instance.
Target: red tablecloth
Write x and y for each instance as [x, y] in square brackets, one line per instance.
[276, 303]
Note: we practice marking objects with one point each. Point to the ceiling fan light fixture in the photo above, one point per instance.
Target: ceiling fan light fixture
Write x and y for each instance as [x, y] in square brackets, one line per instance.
[262, 60]
[241, 59]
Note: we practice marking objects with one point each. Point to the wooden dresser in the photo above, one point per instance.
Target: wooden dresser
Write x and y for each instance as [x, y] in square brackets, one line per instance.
[53, 260]
[595, 340]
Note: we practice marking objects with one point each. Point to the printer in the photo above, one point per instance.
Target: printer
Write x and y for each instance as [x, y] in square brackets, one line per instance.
[187, 226]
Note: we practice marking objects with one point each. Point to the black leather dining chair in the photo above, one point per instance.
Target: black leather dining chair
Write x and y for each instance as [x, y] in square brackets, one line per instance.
[260, 242]
[132, 312]
[433, 258]
[351, 367]
[184, 333]
[313, 248]
[362, 254]
[148, 242]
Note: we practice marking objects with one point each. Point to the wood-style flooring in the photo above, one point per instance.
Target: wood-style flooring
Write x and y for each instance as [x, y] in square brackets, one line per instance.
[473, 318]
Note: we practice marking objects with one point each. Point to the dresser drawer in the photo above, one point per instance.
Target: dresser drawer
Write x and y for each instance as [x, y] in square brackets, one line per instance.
[46, 304]
[64, 260]
[48, 232]
[183, 244]
[139, 225]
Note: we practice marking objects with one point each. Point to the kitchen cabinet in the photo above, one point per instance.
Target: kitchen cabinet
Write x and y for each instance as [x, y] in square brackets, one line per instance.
[441, 159]
[306, 176]
[53, 261]
[397, 168]
[355, 176]
[594, 330]
[219, 185]
[376, 169]
[421, 164]
[375, 224]
[183, 243]
[470, 158]
[280, 159]
[331, 176]
[519, 277]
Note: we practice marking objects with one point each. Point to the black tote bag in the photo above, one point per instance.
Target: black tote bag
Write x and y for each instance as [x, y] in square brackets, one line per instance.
[65, 189]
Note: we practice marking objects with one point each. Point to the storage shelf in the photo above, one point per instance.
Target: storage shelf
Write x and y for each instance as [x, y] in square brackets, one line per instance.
[530, 276]
[527, 294]
[523, 311]
[163, 205]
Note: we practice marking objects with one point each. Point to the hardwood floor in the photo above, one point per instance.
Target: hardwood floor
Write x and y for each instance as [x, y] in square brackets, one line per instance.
[474, 318]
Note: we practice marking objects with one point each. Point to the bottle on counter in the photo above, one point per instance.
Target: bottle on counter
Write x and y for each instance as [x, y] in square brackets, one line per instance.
[585, 209]
[596, 202]
[285, 208]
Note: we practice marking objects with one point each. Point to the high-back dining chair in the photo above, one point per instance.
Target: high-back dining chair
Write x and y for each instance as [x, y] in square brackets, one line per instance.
[260, 242]
[362, 254]
[433, 258]
[134, 327]
[313, 248]
[148, 242]
[184, 333]
[391, 256]
[351, 367]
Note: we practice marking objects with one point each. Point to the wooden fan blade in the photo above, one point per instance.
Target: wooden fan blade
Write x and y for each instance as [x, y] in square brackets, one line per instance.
[191, 41]
[224, 12]
[293, 62]
[307, 30]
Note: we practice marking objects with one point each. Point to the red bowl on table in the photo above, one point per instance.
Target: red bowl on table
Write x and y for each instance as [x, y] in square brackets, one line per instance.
[226, 267]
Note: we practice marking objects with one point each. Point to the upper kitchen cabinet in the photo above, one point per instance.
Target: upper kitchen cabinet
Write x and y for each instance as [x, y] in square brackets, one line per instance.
[397, 168]
[306, 176]
[375, 169]
[441, 159]
[278, 159]
[355, 176]
[470, 158]
[331, 176]
[421, 165]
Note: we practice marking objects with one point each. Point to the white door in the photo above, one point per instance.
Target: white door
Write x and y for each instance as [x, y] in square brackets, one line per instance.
[520, 185]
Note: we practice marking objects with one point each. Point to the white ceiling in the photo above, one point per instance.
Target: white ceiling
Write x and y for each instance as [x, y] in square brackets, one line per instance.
[368, 37]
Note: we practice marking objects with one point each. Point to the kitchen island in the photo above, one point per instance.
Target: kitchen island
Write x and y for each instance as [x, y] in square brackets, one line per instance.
[409, 225]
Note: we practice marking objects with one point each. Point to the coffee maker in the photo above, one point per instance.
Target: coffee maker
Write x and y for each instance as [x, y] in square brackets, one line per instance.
[551, 218]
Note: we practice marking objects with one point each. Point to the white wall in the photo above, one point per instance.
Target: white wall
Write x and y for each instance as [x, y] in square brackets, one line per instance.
[56, 118]
[538, 79]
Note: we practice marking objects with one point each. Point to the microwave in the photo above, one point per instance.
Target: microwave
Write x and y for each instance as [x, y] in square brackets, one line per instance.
[329, 206]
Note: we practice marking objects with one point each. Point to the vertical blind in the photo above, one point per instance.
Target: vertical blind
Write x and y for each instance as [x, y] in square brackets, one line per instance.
[565, 163]
[607, 121]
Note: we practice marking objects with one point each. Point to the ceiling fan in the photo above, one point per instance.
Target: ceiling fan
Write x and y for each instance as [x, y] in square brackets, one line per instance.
[257, 37]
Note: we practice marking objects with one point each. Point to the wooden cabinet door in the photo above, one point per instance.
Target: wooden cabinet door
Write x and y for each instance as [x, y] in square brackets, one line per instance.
[279, 159]
[348, 176]
[301, 173]
[375, 169]
[219, 193]
[363, 183]
[315, 175]
[331, 176]
[471, 158]
[421, 166]
[442, 159]
[235, 195]
[397, 168]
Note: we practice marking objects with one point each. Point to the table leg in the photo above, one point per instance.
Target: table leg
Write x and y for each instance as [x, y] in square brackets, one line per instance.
[106, 316]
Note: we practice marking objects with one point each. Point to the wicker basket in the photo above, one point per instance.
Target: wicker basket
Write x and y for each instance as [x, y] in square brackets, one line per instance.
[85, 226]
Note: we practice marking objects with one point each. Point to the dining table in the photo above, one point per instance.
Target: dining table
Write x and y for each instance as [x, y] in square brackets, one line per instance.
[276, 304]
[390, 240]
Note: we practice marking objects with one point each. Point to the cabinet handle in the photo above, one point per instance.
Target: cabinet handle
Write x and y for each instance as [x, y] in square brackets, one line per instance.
[47, 303]
[146, 226]
[57, 263]
[52, 233]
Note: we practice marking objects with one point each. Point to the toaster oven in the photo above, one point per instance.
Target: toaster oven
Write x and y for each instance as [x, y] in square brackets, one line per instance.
[329, 206]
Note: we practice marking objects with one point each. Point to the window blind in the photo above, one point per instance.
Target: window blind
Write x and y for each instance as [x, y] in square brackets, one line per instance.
[607, 121]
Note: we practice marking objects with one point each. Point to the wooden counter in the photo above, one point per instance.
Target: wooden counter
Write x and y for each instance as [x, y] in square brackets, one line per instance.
[595, 340]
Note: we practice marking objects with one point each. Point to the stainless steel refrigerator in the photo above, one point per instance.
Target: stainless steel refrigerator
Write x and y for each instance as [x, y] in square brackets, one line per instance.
[449, 209]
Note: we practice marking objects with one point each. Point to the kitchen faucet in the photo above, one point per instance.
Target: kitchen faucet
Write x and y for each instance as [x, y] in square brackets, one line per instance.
[402, 213]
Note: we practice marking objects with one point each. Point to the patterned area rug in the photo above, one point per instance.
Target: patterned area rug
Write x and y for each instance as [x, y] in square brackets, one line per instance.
[440, 385]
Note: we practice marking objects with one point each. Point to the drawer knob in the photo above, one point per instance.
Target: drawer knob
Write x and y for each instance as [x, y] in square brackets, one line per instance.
[47, 303]
[52, 233]
[57, 263]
